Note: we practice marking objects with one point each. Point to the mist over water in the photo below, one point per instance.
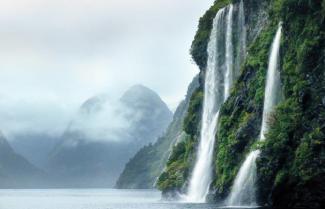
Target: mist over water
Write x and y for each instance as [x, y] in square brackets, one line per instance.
[90, 199]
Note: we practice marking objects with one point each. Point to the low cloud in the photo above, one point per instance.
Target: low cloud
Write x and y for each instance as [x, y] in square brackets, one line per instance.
[105, 121]
[56, 54]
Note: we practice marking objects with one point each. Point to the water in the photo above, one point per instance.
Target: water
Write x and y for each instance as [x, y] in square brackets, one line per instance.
[243, 191]
[222, 69]
[89, 199]
[229, 53]
[217, 81]
[272, 89]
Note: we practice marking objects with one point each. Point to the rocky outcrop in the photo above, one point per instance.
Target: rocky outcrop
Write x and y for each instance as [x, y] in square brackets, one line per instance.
[291, 165]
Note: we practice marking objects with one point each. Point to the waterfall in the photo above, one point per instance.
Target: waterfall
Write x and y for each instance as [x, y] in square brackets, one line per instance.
[244, 191]
[218, 80]
[272, 88]
[229, 53]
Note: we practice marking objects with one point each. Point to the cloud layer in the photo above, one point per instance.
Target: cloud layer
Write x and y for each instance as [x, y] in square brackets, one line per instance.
[56, 54]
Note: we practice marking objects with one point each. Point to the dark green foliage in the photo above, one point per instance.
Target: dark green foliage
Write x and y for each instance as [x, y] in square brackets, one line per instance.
[193, 117]
[200, 42]
[181, 160]
[240, 116]
[291, 168]
[177, 168]
[146, 156]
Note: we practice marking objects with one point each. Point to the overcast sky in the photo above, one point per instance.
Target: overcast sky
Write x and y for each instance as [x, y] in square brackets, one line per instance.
[54, 54]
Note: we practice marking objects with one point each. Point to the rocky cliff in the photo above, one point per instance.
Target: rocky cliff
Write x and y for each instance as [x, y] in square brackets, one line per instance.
[291, 165]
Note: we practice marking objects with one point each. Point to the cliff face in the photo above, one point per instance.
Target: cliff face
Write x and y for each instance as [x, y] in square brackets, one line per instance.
[142, 170]
[291, 168]
[291, 165]
[180, 164]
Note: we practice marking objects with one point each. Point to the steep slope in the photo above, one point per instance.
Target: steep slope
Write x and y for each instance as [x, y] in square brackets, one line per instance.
[143, 169]
[180, 166]
[291, 165]
[105, 135]
[15, 170]
[35, 147]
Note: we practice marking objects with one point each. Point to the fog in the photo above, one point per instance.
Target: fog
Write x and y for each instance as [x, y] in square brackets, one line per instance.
[105, 122]
[54, 55]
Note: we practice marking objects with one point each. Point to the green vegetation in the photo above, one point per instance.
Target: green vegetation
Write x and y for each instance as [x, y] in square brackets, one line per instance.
[142, 171]
[144, 164]
[291, 167]
[292, 160]
[240, 116]
[181, 160]
[200, 42]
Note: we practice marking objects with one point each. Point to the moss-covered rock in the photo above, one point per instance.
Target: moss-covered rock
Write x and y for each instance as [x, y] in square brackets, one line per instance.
[201, 39]
[291, 168]
[291, 165]
[182, 157]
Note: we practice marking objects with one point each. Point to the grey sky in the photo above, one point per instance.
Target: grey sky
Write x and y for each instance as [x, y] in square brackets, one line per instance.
[56, 54]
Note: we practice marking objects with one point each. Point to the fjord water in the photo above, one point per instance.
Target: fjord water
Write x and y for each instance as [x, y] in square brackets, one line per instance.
[89, 199]
[244, 191]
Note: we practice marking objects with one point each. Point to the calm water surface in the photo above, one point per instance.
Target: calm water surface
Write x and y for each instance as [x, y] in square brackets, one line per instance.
[89, 199]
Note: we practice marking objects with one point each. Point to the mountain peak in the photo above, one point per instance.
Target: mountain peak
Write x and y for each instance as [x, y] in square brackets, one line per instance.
[140, 90]
[139, 95]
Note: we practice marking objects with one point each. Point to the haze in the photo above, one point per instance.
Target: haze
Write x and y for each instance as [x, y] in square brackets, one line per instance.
[56, 54]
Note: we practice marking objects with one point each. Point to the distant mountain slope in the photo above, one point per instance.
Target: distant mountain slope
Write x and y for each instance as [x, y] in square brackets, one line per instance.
[35, 147]
[15, 170]
[105, 134]
[143, 169]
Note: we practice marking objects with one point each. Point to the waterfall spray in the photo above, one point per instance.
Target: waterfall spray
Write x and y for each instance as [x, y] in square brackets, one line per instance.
[244, 191]
[218, 80]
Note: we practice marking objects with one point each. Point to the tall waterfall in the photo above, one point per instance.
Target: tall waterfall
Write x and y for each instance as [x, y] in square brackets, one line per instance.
[244, 191]
[272, 88]
[229, 54]
[218, 81]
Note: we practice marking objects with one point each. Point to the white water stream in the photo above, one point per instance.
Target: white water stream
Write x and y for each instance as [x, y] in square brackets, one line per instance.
[219, 77]
[243, 191]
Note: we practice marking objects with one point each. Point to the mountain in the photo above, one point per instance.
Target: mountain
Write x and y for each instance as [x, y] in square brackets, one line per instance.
[143, 169]
[290, 169]
[35, 147]
[105, 134]
[15, 170]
